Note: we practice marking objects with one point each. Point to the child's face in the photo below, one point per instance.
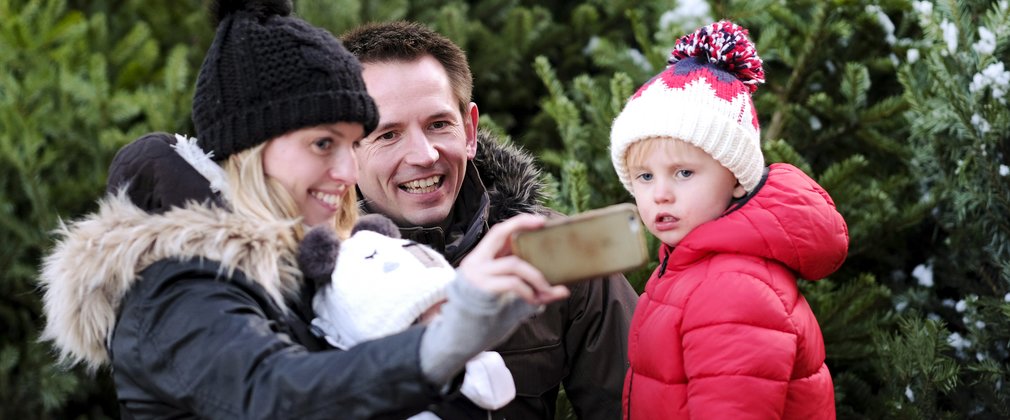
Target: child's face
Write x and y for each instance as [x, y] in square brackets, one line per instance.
[678, 187]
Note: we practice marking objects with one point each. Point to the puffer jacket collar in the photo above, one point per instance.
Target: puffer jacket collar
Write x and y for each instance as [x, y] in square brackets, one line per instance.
[501, 181]
[97, 259]
[789, 219]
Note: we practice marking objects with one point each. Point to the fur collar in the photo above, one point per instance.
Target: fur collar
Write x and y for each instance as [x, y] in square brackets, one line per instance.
[97, 259]
[511, 177]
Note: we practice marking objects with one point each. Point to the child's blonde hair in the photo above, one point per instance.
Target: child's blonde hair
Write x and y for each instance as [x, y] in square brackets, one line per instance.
[254, 194]
[639, 150]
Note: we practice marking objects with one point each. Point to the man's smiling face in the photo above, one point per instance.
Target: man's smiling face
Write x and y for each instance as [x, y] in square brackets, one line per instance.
[411, 167]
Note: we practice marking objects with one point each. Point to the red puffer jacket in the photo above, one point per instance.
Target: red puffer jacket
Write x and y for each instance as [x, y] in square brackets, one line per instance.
[721, 331]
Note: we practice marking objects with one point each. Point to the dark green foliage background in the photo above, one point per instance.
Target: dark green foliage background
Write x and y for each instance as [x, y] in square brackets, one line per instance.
[881, 117]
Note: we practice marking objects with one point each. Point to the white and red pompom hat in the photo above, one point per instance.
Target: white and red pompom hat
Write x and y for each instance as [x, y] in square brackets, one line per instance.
[703, 98]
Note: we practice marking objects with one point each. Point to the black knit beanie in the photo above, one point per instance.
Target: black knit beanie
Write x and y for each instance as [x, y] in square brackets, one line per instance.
[267, 73]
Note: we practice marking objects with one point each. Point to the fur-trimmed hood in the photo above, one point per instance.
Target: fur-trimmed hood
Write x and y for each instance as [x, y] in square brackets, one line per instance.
[96, 260]
[511, 177]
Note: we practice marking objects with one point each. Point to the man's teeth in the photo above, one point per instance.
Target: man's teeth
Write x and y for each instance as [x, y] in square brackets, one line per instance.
[422, 185]
[330, 199]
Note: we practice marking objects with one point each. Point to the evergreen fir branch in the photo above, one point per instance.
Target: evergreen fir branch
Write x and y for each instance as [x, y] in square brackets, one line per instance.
[621, 88]
[552, 158]
[645, 44]
[961, 15]
[452, 22]
[559, 106]
[849, 315]
[917, 354]
[885, 143]
[855, 84]
[548, 77]
[884, 110]
[781, 151]
[800, 67]
[552, 192]
[852, 392]
[838, 175]
[598, 115]
[574, 186]
[128, 46]
[125, 106]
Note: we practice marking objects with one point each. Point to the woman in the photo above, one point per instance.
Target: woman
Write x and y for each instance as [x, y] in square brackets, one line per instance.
[200, 311]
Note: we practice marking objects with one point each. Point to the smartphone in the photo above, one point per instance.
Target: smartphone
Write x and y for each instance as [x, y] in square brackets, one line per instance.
[590, 244]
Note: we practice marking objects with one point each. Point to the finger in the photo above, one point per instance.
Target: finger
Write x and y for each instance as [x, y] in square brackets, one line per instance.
[530, 274]
[520, 288]
[543, 291]
[497, 276]
[495, 242]
[525, 222]
[500, 277]
[553, 294]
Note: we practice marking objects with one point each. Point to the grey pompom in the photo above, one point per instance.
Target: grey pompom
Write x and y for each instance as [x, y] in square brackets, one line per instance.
[221, 9]
[317, 254]
[377, 223]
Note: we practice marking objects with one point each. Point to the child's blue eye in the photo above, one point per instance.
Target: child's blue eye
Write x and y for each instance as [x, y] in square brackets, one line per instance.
[645, 177]
[684, 173]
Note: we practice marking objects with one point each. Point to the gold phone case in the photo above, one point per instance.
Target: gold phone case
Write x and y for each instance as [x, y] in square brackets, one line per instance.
[590, 244]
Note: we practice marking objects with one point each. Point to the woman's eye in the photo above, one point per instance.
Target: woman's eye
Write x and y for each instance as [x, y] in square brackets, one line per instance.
[323, 143]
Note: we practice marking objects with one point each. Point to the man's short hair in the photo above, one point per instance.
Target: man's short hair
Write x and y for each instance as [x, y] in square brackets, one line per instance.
[409, 41]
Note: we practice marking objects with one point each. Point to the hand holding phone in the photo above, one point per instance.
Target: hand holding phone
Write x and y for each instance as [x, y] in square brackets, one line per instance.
[591, 244]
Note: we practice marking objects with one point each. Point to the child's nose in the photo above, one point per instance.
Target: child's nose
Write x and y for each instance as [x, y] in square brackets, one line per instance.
[664, 192]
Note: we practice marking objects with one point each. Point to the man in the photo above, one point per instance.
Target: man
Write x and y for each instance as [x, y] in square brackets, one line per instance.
[443, 183]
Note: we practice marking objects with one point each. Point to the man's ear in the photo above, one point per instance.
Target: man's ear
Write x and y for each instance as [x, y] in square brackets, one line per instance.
[470, 128]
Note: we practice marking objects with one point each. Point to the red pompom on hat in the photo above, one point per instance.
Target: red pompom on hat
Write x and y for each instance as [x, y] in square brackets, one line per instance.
[703, 98]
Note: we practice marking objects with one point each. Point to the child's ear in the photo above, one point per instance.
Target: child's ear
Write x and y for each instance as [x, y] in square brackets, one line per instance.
[738, 191]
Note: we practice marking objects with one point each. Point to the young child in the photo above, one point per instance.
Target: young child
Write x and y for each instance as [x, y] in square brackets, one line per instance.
[721, 330]
[381, 285]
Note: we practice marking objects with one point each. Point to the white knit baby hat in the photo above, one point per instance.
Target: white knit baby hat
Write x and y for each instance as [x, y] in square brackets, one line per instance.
[380, 286]
[704, 98]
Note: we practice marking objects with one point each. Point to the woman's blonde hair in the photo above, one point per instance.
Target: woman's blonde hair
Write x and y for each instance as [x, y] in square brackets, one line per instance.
[254, 194]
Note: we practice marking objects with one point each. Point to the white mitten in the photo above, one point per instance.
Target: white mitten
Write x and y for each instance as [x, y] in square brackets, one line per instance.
[488, 382]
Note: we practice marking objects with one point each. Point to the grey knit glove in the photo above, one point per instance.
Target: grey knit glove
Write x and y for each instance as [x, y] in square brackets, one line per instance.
[472, 321]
